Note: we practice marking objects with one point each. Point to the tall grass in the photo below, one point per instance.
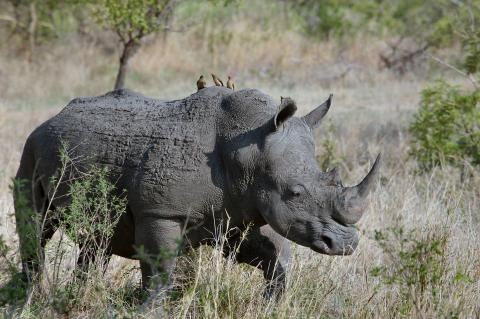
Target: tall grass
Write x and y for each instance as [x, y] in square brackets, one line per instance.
[434, 211]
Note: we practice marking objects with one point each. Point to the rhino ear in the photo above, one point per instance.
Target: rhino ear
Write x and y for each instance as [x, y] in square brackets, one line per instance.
[285, 111]
[314, 117]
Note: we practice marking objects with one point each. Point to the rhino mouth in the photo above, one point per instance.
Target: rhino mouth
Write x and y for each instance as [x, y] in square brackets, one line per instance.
[330, 244]
[320, 247]
[323, 248]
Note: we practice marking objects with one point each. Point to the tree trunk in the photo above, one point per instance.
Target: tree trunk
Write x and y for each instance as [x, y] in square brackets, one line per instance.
[129, 50]
[32, 28]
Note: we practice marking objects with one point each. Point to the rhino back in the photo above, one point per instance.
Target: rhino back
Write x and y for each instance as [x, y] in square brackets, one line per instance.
[145, 142]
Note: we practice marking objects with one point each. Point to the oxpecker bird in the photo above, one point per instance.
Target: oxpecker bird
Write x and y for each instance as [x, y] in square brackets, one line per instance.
[201, 83]
[216, 80]
[230, 83]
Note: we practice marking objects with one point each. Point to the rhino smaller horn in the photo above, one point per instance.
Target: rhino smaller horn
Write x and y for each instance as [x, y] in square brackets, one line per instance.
[314, 117]
[333, 177]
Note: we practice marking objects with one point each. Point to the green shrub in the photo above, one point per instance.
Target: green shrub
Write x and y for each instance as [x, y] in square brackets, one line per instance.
[14, 289]
[37, 22]
[423, 20]
[326, 18]
[471, 45]
[446, 129]
[89, 220]
[94, 211]
[416, 266]
[28, 224]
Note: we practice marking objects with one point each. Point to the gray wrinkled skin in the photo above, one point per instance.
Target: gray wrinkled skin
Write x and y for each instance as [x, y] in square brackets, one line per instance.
[190, 165]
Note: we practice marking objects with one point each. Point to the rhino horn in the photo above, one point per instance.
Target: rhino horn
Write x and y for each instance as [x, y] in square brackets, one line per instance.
[314, 117]
[333, 177]
[354, 198]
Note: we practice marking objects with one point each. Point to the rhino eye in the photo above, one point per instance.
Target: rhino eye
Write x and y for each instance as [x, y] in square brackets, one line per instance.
[297, 190]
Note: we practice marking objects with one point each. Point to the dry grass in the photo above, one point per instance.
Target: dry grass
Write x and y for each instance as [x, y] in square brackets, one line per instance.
[371, 111]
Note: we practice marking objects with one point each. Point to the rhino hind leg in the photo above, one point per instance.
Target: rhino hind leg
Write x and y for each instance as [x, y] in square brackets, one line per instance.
[34, 227]
[32, 248]
[265, 249]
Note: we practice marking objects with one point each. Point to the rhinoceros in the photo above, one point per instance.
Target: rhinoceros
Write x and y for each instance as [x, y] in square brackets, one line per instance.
[189, 165]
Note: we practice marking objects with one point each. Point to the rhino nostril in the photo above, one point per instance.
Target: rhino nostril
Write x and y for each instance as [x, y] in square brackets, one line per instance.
[328, 241]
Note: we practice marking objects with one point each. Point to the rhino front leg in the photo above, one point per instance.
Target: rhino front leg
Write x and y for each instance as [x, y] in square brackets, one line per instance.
[158, 242]
[270, 252]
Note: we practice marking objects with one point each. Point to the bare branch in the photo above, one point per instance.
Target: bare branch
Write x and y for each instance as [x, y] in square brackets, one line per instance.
[468, 76]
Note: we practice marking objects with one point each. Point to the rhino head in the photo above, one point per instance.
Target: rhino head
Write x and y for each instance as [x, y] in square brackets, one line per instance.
[276, 174]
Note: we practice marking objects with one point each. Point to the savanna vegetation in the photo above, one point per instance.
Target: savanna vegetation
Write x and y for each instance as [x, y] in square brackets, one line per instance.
[405, 79]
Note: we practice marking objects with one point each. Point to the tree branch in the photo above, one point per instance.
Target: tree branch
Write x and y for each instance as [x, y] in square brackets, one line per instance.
[468, 76]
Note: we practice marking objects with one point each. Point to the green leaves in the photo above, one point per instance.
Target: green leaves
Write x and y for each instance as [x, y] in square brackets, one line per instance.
[325, 18]
[424, 21]
[94, 210]
[471, 46]
[132, 19]
[446, 129]
[28, 223]
[329, 157]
